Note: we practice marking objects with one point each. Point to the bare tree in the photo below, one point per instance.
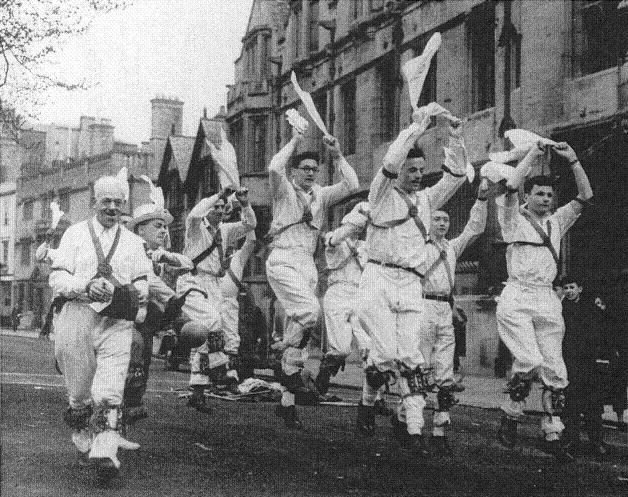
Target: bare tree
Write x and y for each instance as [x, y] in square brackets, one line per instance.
[30, 32]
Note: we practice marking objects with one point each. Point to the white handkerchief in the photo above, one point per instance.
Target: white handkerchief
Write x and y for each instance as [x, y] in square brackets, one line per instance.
[415, 70]
[309, 104]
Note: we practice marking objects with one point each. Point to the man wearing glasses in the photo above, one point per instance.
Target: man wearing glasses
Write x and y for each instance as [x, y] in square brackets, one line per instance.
[299, 209]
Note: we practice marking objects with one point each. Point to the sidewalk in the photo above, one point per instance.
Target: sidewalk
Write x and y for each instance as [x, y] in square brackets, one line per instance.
[481, 391]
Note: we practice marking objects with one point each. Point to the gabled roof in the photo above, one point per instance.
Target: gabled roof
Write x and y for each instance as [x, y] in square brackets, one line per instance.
[178, 148]
[182, 153]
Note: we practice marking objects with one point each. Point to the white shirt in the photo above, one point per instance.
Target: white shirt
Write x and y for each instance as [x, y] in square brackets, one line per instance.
[436, 280]
[343, 265]
[287, 208]
[76, 262]
[199, 235]
[528, 264]
[404, 245]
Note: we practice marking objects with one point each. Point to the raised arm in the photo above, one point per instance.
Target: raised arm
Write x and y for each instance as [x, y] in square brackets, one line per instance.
[454, 170]
[277, 176]
[393, 161]
[348, 178]
[248, 221]
[476, 224]
[241, 256]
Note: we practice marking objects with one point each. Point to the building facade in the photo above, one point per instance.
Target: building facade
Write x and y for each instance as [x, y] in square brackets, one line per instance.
[557, 67]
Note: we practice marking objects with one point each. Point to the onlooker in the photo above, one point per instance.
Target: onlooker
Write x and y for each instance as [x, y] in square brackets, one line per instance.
[586, 356]
[460, 336]
[617, 310]
[15, 317]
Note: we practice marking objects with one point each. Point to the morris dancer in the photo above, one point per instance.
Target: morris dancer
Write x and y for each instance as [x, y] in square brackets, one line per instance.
[299, 211]
[93, 348]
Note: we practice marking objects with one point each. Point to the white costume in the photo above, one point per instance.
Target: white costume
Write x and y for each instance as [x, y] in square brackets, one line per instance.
[390, 293]
[229, 288]
[437, 331]
[199, 236]
[529, 313]
[93, 350]
[290, 267]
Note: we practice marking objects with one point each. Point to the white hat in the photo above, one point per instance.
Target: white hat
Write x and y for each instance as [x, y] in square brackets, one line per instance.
[153, 210]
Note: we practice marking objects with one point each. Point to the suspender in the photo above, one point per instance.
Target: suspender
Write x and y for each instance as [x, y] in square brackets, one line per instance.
[305, 219]
[104, 267]
[354, 255]
[546, 237]
[412, 214]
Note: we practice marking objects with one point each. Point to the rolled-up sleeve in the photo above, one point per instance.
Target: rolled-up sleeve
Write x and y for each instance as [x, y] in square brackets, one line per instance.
[62, 278]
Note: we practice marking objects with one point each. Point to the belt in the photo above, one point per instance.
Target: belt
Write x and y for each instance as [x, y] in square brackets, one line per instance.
[439, 298]
[396, 266]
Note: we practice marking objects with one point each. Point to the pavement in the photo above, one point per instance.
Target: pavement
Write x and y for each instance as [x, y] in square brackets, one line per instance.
[480, 391]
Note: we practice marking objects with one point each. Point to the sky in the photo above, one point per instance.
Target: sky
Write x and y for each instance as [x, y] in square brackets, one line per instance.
[180, 48]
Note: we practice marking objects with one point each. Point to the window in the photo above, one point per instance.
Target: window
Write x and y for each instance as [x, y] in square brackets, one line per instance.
[515, 62]
[428, 93]
[258, 154]
[25, 256]
[387, 92]
[481, 31]
[297, 30]
[314, 14]
[64, 202]
[5, 208]
[46, 213]
[264, 68]
[349, 119]
[250, 60]
[376, 5]
[5, 251]
[236, 138]
[600, 35]
[358, 9]
[320, 102]
[28, 210]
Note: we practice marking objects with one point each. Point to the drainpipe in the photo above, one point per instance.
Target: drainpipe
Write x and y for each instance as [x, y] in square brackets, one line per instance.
[330, 25]
[505, 40]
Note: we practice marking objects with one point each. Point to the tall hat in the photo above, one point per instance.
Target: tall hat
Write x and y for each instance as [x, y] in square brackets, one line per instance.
[153, 210]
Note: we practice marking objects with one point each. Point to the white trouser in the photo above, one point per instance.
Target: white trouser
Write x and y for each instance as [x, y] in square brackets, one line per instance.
[230, 311]
[293, 277]
[93, 352]
[198, 308]
[341, 321]
[206, 311]
[530, 323]
[390, 307]
[437, 341]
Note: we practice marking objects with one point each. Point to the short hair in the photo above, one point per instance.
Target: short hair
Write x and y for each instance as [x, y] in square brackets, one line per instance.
[416, 153]
[576, 278]
[540, 180]
[297, 159]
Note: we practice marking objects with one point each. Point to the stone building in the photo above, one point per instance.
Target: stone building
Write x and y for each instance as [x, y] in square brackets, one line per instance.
[555, 67]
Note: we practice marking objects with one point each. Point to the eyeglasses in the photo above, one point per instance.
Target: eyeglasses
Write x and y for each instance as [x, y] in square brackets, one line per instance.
[307, 169]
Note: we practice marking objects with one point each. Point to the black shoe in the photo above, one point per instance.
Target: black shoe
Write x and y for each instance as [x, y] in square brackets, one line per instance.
[133, 414]
[294, 384]
[381, 409]
[622, 426]
[365, 423]
[457, 387]
[289, 416]
[507, 433]
[418, 445]
[399, 430]
[558, 450]
[322, 381]
[197, 401]
[440, 446]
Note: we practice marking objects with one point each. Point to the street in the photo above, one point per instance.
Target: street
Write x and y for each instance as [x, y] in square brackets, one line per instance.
[243, 449]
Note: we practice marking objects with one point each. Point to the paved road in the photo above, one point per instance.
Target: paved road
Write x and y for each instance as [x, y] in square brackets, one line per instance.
[241, 449]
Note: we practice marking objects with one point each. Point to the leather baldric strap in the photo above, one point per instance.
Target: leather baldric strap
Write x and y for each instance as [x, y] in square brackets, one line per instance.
[442, 259]
[545, 237]
[412, 214]
[396, 266]
[104, 262]
[236, 280]
[354, 256]
[306, 218]
[216, 245]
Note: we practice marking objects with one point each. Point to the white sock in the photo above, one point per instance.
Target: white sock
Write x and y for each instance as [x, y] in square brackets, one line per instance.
[287, 399]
